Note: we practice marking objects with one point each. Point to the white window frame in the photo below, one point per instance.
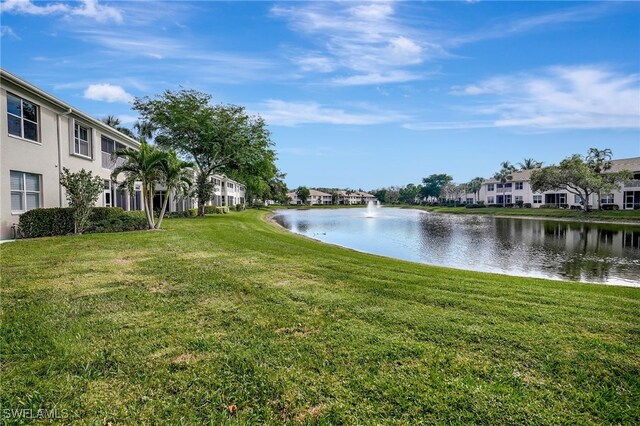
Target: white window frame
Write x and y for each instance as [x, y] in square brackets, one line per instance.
[77, 140]
[24, 191]
[22, 118]
[537, 199]
[491, 187]
[490, 200]
[519, 185]
[518, 198]
[608, 199]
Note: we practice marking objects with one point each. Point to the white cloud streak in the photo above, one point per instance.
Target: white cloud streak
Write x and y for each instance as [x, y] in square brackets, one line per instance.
[108, 93]
[88, 8]
[367, 42]
[283, 113]
[579, 97]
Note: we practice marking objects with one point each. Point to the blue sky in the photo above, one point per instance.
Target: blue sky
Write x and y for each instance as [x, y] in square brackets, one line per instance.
[357, 94]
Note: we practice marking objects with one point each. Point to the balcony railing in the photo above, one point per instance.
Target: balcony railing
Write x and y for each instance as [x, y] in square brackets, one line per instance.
[632, 184]
[108, 163]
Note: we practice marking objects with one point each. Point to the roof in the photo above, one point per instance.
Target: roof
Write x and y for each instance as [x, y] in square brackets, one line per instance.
[317, 193]
[632, 164]
[28, 87]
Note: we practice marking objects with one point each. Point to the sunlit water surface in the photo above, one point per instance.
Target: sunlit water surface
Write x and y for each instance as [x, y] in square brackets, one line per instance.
[597, 253]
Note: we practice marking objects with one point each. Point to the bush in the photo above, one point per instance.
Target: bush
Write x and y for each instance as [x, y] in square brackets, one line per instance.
[609, 207]
[126, 221]
[519, 204]
[475, 206]
[184, 213]
[59, 221]
[46, 222]
[527, 205]
[216, 209]
[239, 207]
[548, 206]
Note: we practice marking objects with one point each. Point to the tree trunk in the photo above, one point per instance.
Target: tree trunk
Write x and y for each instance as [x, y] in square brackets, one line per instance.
[145, 201]
[164, 207]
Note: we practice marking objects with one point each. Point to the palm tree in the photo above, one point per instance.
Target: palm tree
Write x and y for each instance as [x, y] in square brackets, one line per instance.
[176, 177]
[145, 166]
[504, 175]
[144, 130]
[474, 186]
[530, 164]
[113, 121]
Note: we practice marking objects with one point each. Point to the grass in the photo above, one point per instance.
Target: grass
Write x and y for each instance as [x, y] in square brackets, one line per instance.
[606, 215]
[174, 326]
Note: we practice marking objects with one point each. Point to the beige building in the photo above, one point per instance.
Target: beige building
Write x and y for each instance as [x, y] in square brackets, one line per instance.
[518, 190]
[315, 197]
[41, 134]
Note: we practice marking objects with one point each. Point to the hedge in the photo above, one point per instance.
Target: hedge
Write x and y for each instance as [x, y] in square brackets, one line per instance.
[59, 221]
[185, 213]
[216, 209]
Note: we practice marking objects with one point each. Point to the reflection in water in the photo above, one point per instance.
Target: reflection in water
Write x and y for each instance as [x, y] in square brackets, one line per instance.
[525, 247]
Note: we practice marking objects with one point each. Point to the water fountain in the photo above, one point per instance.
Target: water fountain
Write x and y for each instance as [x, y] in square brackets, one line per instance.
[371, 208]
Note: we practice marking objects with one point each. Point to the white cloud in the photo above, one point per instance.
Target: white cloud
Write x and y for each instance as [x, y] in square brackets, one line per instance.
[367, 42]
[579, 97]
[6, 31]
[108, 93]
[88, 8]
[377, 78]
[282, 113]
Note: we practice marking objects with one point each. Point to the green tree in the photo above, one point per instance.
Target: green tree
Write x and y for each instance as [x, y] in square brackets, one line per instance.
[176, 179]
[409, 193]
[220, 139]
[474, 186]
[578, 177]
[82, 190]
[529, 164]
[143, 165]
[303, 194]
[381, 195]
[503, 176]
[113, 121]
[432, 185]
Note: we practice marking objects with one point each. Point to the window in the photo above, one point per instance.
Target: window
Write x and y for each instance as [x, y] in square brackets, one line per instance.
[81, 140]
[490, 200]
[518, 198]
[110, 146]
[229, 185]
[490, 187]
[519, 185]
[607, 199]
[537, 199]
[25, 191]
[22, 118]
[577, 199]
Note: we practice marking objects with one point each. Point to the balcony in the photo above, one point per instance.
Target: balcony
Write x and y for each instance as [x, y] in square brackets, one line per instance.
[632, 184]
[108, 163]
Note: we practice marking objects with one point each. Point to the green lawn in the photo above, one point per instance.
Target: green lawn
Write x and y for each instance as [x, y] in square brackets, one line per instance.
[174, 326]
[606, 215]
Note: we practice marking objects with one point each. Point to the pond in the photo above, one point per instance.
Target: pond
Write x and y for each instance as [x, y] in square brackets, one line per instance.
[587, 252]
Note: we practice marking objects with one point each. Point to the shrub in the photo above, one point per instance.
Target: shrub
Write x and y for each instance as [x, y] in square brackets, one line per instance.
[126, 221]
[548, 206]
[216, 209]
[239, 207]
[519, 204]
[475, 206]
[59, 221]
[527, 205]
[184, 213]
[46, 222]
[609, 207]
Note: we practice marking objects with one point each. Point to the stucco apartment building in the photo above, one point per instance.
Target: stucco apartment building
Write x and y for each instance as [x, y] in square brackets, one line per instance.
[519, 189]
[41, 134]
[315, 197]
[354, 197]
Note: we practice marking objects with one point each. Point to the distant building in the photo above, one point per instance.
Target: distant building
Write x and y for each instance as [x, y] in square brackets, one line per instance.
[518, 189]
[315, 197]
